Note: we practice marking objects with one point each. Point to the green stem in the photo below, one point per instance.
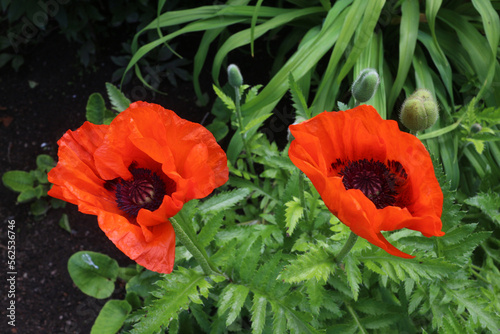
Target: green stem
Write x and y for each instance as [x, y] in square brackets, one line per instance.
[199, 254]
[240, 125]
[356, 319]
[347, 248]
[302, 195]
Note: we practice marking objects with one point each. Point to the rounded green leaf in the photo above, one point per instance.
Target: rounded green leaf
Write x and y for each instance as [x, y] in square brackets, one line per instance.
[18, 180]
[96, 107]
[45, 162]
[39, 207]
[111, 317]
[26, 195]
[94, 273]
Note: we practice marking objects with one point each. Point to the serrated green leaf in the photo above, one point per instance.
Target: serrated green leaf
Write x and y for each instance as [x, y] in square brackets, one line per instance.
[223, 201]
[258, 313]
[279, 319]
[293, 213]
[316, 264]
[353, 274]
[118, 100]
[255, 121]
[226, 99]
[458, 234]
[210, 229]
[248, 257]
[299, 100]
[176, 292]
[381, 321]
[399, 269]
[315, 294]
[488, 203]
[462, 251]
[476, 309]
[237, 300]
[143, 284]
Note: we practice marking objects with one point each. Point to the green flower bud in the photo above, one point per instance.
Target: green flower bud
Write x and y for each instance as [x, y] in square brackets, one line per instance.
[234, 76]
[420, 111]
[476, 127]
[365, 85]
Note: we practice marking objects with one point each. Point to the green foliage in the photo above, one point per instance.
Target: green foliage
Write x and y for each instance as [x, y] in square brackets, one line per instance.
[97, 112]
[175, 294]
[263, 254]
[28, 23]
[111, 317]
[32, 187]
[93, 273]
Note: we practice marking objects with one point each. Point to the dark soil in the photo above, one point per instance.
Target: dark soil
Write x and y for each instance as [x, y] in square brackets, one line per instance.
[46, 300]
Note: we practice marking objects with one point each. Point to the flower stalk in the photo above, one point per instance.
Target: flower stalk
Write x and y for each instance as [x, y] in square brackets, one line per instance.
[199, 254]
[243, 136]
[236, 80]
[347, 248]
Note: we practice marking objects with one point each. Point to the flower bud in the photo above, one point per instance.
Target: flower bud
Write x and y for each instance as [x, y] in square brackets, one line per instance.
[420, 111]
[234, 76]
[476, 127]
[366, 84]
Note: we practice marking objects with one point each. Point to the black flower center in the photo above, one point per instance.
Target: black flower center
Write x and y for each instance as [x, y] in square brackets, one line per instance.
[378, 181]
[144, 191]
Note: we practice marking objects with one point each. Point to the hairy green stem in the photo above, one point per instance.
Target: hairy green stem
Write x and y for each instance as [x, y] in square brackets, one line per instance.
[200, 255]
[302, 195]
[240, 125]
[356, 319]
[347, 248]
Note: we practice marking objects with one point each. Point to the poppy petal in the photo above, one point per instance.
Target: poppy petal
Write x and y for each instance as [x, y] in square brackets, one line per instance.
[328, 142]
[118, 173]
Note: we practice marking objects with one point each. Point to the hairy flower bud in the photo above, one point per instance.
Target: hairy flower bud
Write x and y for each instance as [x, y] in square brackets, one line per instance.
[365, 85]
[420, 111]
[234, 76]
[476, 127]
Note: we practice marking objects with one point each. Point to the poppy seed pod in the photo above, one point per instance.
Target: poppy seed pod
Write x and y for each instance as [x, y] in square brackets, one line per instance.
[420, 111]
[234, 76]
[365, 85]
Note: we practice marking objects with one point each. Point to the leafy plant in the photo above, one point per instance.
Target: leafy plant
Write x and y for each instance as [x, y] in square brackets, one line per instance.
[262, 255]
[32, 187]
[29, 22]
[434, 38]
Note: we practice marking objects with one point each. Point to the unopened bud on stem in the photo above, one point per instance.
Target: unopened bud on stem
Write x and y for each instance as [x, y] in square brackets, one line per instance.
[234, 76]
[366, 84]
[420, 110]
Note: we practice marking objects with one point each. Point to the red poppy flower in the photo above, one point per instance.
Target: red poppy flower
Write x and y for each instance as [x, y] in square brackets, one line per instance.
[135, 174]
[370, 175]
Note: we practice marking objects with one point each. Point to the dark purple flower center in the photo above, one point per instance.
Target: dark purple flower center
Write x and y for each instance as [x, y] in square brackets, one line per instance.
[378, 181]
[144, 191]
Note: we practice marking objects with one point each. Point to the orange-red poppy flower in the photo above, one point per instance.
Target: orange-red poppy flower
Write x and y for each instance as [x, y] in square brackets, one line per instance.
[370, 175]
[135, 174]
